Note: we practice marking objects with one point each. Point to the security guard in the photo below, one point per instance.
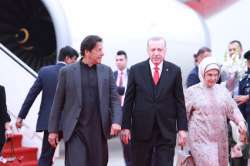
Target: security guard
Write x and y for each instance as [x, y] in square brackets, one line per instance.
[244, 92]
[243, 101]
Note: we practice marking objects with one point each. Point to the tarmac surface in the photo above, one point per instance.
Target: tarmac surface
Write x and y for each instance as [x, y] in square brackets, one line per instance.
[115, 155]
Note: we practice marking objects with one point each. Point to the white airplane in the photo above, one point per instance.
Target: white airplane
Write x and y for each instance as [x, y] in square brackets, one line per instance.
[32, 32]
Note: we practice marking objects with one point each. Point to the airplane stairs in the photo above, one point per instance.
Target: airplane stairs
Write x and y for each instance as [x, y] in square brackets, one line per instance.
[18, 155]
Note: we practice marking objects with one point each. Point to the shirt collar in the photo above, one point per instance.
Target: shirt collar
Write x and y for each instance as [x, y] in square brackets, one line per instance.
[61, 62]
[124, 71]
[152, 65]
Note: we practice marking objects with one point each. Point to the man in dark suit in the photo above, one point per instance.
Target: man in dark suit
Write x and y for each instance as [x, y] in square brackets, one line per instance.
[154, 108]
[121, 77]
[121, 74]
[46, 82]
[4, 121]
[87, 100]
[193, 77]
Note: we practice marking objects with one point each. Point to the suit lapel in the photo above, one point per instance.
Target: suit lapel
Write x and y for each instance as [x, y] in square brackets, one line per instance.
[148, 77]
[60, 64]
[77, 79]
[100, 79]
[127, 71]
[163, 82]
[116, 74]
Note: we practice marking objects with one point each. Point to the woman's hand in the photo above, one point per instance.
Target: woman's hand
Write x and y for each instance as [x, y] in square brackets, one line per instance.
[242, 127]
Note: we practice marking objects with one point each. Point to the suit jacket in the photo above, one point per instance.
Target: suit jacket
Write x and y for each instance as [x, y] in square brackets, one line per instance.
[68, 100]
[45, 82]
[145, 104]
[193, 77]
[4, 116]
[116, 75]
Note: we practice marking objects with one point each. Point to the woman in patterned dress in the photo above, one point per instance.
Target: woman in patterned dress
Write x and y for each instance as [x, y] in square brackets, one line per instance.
[209, 105]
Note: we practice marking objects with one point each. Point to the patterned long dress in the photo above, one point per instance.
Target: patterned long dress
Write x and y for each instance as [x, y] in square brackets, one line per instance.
[207, 112]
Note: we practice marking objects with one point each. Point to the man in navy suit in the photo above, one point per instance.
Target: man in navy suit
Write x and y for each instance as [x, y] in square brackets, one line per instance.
[46, 82]
[121, 77]
[154, 108]
[121, 74]
[193, 77]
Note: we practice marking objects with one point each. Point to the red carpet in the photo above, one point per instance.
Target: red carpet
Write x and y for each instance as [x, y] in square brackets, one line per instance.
[24, 156]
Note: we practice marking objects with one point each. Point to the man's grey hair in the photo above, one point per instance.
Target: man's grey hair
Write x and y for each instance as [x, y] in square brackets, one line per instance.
[157, 38]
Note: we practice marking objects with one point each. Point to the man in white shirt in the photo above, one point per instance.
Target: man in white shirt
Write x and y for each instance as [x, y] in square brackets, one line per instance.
[234, 67]
[121, 77]
[154, 108]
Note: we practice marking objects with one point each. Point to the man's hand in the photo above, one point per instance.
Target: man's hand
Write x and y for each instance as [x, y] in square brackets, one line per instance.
[115, 129]
[8, 126]
[241, 99]
[53, 139]
[19, 123]
[8, 129]
[182, 138]
[125, 136]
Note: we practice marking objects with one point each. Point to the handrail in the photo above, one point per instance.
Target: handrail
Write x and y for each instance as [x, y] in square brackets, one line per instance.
[18, 61]
[34, 134]
[31, 72]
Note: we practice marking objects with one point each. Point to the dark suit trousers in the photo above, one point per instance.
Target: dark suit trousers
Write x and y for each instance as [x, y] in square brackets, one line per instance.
[127, 154]
[76, 152]
[239, 162]
[46, 158]
[79, 152]
[2, 140]
[154, 152]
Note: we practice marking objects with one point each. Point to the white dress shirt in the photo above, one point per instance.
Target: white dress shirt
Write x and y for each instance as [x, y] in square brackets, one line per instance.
[124, 82]
[124, 77]
[152, 66]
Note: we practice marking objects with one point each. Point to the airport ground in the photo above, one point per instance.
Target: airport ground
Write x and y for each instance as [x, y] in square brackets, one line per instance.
[115, 155]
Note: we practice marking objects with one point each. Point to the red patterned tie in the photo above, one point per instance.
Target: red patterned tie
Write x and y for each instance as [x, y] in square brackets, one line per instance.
[121, 79]
[156, 74]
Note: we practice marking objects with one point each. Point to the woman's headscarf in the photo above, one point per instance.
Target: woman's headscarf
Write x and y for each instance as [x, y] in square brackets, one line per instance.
[206, 64]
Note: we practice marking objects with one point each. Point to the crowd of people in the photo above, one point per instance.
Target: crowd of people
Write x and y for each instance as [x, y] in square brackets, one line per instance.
[85, 103]
[216, 101]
